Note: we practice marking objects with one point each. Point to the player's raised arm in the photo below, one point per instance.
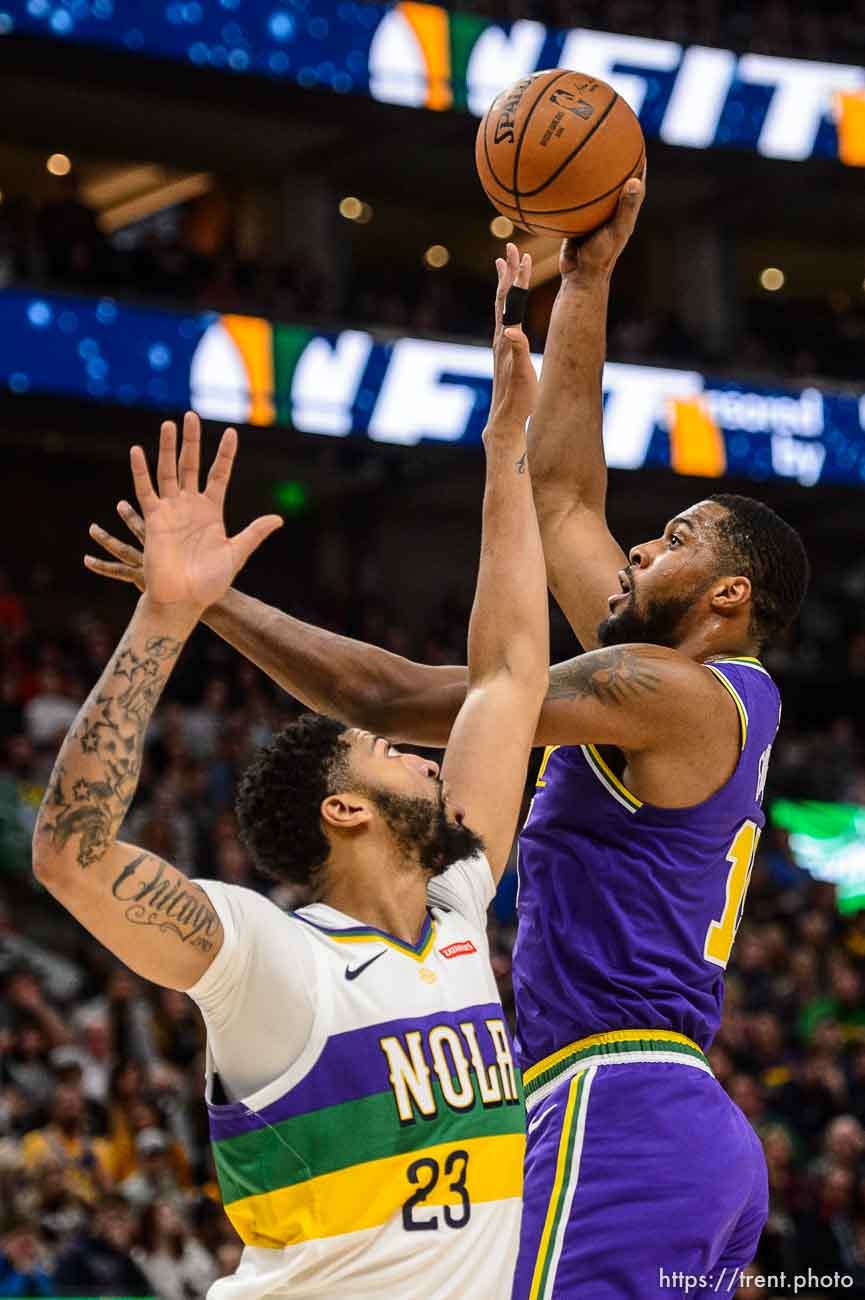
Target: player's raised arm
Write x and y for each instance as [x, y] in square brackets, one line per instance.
[144, 910]
[508, 642]
[595, 697]
[566, 446]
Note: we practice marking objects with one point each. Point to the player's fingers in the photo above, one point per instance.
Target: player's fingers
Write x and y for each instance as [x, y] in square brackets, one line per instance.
[501, 293]
[254, 534]
[132, 520]
[524, 272]
[518, 293]
[147, 498]
[506, 267]
[120, 550]
[517, 339]
[190, 453]
[166, 465]
[111, 569]
[630, 202]
[220, 471]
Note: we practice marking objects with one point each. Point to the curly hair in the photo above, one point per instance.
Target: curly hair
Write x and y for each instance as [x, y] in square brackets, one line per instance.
[759, 544]
[281, 792]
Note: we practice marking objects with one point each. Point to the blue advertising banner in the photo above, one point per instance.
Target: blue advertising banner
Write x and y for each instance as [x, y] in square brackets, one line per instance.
[423, 56]
[245, 369]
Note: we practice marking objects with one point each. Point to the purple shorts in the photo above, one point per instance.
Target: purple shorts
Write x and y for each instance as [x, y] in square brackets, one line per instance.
[643, 1181]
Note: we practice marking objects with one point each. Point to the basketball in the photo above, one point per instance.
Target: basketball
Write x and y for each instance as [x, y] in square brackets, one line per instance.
[554, 150]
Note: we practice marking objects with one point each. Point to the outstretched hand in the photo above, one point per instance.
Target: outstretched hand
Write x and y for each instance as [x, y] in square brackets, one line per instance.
[188, 559]
[595, 255]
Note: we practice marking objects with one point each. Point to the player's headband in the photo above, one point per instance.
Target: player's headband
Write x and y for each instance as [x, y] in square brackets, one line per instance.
[515, 306]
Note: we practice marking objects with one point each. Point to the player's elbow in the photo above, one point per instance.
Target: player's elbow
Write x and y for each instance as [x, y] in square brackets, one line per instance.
[368, 705]
[45, 863]
[558, 504]
[50, 866]
[354, 701]
[523, 670]
[532, 679]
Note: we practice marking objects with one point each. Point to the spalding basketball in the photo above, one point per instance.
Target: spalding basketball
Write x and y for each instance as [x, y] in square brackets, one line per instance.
[554, 150]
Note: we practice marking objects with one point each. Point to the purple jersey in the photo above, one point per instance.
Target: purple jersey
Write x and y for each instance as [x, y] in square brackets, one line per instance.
[628, 912]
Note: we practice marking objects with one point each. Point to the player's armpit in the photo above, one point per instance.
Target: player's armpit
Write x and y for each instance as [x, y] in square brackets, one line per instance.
[636, 697]
[155, 920]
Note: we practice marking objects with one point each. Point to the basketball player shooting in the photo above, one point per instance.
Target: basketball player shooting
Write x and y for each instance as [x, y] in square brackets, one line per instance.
[636, 856]
[365, 1109]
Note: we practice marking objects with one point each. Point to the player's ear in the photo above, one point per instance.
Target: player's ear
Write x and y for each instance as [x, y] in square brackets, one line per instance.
[730, 594]
[345, 811]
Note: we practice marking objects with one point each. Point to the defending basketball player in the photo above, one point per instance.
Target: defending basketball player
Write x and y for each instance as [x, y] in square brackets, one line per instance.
[366, 1113]
[636, 856]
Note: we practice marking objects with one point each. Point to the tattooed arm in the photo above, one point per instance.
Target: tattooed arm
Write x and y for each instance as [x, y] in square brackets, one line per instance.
[636, 697]
[147, 912]
[392, 696]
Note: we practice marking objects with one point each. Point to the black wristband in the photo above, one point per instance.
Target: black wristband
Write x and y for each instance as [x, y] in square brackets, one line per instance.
[515, 306]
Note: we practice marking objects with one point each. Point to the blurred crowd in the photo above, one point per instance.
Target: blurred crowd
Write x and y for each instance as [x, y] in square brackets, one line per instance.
[776, 337]
[820, 29]
[107, 1185]
[61, 245]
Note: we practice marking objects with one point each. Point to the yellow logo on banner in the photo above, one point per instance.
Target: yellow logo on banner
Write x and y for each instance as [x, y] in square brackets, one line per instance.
[850, 119]
[410, 57]
[696, 443]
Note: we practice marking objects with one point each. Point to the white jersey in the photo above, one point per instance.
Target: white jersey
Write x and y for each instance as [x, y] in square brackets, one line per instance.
[386, 1158]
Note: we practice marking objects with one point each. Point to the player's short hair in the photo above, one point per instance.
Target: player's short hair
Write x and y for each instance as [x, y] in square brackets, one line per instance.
[280, 794]
[755, 541]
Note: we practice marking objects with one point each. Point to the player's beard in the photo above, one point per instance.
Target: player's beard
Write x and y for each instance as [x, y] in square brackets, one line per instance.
[423, 831]
[659, 623]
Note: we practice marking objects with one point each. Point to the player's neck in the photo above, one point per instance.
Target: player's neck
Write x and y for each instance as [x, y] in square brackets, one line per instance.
[386, 895]
[718, 642]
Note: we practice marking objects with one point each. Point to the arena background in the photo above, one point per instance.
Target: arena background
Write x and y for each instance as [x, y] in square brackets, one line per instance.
[270, 209]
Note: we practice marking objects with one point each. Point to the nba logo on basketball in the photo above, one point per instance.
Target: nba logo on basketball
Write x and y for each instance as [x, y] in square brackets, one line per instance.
[581, 108]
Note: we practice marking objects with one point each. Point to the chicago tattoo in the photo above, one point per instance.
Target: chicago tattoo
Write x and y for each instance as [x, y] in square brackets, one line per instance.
[158, 896]
[97, 771]
[614, 676]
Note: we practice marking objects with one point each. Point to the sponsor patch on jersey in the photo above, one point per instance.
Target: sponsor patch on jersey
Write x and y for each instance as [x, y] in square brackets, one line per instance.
[462, 948]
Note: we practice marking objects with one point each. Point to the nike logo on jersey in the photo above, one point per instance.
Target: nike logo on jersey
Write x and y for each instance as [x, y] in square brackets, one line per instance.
[543, 1115]
[352, 972]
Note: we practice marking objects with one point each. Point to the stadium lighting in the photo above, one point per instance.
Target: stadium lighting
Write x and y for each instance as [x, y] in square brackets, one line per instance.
[436, 256]
[354, 209]
[59, 165]
[501, 227]
[772, 279]
[290, 497]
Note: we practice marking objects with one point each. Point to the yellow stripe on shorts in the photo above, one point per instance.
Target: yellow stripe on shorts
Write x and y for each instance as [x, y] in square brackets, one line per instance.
[567, 1170]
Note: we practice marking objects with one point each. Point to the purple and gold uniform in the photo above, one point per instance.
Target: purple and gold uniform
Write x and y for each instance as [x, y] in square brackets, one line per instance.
[638, 1164]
